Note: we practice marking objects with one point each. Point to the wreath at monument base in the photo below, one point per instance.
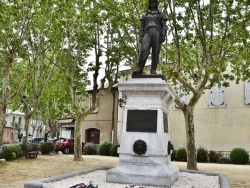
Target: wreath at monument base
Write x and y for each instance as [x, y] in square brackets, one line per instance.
[140, 147]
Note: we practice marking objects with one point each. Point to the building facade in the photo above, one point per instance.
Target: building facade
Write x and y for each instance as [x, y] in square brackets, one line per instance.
[221, 119]
[14, 129]
[99, 126]
[15, 122]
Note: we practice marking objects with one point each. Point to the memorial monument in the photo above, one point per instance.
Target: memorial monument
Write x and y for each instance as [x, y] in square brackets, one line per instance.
[144, 152]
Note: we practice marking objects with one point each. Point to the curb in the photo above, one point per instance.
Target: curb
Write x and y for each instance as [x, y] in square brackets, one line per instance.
[223, 180]
[42, 183]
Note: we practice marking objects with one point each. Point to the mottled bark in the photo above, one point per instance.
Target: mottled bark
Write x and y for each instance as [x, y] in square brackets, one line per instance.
[78, 141]
[4, 97]
[27, 129]
[2, 122]
[190, 136]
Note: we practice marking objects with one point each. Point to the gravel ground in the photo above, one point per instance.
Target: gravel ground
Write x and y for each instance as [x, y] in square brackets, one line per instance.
[185, 180]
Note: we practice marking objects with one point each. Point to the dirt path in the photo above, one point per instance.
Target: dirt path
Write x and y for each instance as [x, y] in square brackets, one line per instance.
[15, 174]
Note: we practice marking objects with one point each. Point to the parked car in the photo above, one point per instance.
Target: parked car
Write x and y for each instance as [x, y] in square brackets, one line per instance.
[58, 140]
[54, 140]
[66, 145]
[37, 140]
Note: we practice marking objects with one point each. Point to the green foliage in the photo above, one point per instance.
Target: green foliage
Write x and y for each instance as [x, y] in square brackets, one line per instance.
[239, 156]
[36, 147]
[173, 155]
[104, 148]
[31, 147]
[213, 156]
[47, 147]
[202, 155]
[221, 36]
[10, 153]
[181, 154]
[23, 147]
[91, 149]
[113, 150]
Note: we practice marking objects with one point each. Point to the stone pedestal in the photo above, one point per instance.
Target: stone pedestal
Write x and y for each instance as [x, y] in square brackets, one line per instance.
[143, 151]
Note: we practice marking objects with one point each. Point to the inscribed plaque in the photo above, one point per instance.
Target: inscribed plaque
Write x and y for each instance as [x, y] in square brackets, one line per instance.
[142, 121]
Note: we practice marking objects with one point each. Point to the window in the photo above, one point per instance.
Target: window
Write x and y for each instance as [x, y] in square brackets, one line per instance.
[19, 120]
[247, 92]
[13, 120]
[90, 104]
[217, 96]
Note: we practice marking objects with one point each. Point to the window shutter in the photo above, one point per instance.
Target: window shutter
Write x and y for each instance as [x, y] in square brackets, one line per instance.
[247, 92]
[217, 96]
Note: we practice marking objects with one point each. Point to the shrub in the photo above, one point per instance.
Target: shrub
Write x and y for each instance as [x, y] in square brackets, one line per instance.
[23, 148]
[213, 156]
[47, 147]
[181, 154]
[202, 155]
[104, 148]
[173, 155]
[36, 147]
[113, 150]
[32, 146]
[239, 156]
[91, 149]
[224, 160]
[10, 153]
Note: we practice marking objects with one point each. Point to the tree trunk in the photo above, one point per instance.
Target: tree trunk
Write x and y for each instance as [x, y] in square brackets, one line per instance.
[2, 122]
[190, 136]
[78, 141]
[27, 129]
[4, 97]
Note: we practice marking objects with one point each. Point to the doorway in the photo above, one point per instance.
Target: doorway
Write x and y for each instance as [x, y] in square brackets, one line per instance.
[93, 135]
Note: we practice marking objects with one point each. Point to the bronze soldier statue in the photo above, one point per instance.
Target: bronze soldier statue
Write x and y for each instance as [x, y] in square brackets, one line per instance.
[152, 35]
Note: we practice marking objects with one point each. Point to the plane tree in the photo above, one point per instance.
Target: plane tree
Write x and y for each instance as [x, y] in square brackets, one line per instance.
[54, 102]
[84, 52]
[15, 16]
[96, 37]
[124, 18]
[37, 63]
[205, 39]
